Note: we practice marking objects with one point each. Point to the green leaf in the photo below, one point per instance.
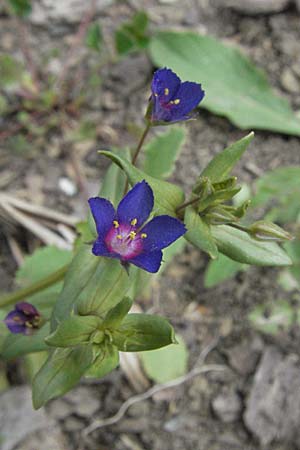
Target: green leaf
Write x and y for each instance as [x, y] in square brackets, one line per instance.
[93, 38]
[242, 93]
[106, 361]
[10, 70]
[21, 8]
[107, 286]
[139, 332]
[132, 35]
[167, 196]
[73, 331]
[220, 270]
[241, 247]
[124, 42]
[223, 163]
[115, 316]
[199, 233]
[42, 263]
[18, 345]
[60, 373]
[271, 319]
[167, 363]
[162, 152]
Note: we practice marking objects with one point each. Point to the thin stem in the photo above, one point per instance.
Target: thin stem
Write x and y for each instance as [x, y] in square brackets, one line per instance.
[140, 144]
[239, 227]
[33, 288]
[184, 205]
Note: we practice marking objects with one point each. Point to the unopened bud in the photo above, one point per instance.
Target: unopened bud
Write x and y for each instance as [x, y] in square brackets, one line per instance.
[219, 216]
[268, 231]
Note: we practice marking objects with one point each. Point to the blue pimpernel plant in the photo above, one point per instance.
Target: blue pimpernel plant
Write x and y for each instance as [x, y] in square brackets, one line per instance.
[121, 244]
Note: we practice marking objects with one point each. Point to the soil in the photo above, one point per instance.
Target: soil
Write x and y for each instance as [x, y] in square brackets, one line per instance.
[208, 412]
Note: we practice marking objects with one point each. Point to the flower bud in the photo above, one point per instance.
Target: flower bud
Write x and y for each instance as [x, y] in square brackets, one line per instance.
[268, 231]
[219, 216]
[23, 319]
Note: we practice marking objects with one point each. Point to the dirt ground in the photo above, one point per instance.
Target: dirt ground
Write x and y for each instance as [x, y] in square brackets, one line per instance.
[253, 405]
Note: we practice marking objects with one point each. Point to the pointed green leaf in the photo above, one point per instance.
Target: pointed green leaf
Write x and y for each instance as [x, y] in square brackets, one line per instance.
[106, 287]
[106, 360]
[223, 163]
[167, 196]
[242, 93]
[166, 364]
[239, 246]
[223, 268]
[93, 37]
[115, 316]
[60, 373]
[139, 332]
[162, 152]
[18, 345]
[199, 233]
[73, 331]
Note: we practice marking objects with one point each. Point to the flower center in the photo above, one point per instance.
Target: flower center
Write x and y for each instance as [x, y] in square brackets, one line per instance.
[125, 239]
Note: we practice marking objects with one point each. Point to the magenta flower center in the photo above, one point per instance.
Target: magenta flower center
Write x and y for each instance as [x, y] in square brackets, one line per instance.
[125, 240]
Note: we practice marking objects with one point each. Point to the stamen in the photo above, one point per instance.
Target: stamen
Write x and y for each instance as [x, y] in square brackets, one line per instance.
[119, 236]
[167, 91]
[132, 234]
[17, 319]
[116, 223]
[177, 101]
[133, 222]
[143, 235]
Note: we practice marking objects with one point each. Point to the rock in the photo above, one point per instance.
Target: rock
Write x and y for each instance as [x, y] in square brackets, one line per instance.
[45, 440]
[73, 424]
[60, 409]
[18, 420]
[273, 407]
[289, 81]
[84, 402]
[254, 7]
[227, 407]
[244, 357]
[66, 11]
[298, 4]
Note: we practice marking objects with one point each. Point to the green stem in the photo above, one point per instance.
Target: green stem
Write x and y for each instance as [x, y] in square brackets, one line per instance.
[239, 227]
[184, 205]
[140, 144]
[33, 288]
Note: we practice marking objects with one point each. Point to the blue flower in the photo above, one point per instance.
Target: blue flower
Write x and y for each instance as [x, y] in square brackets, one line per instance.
[123, 234]
[172, 100]
[23, 319]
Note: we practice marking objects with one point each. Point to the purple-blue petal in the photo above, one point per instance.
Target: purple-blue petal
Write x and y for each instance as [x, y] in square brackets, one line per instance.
[100, 249]
[137, 204]
[161, 232]
[189, 95]
[27, 308]
[165, 79]
[148, 261]
[103, 213]
[16, 326]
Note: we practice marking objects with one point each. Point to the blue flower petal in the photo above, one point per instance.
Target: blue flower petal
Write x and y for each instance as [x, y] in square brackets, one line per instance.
[103, 213]
[13, 325]
[165, 84]
[189, 95]
[137, 204]
[148, 261]
[161, 232]
[100, 249]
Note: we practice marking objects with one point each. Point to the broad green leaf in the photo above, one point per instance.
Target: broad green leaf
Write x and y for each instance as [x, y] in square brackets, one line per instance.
[21, 8]
[106, 360]
[223, 163]
[166, 364]
[199, 233]
[139, 332]
[33, 362]
[241, 247]
[273, 318]
[18, 345]
[240, 92]
[73, 331]
[107, 286]
[80, 272]
[93, 37]
[60, 373]
[131, 36]
[10, 70]
[167, 196]
[115, 316]
[162, 152]
[221, 269]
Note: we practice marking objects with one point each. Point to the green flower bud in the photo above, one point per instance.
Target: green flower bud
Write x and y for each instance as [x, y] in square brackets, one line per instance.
[268, 231]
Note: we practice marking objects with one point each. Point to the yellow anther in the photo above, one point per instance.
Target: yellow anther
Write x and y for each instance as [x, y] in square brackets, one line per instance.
[167, 91]
[155, 95]
[132, 234]
[119, 236]
[116, 224]
[143, 235]
[177, 101]
[133, 222]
